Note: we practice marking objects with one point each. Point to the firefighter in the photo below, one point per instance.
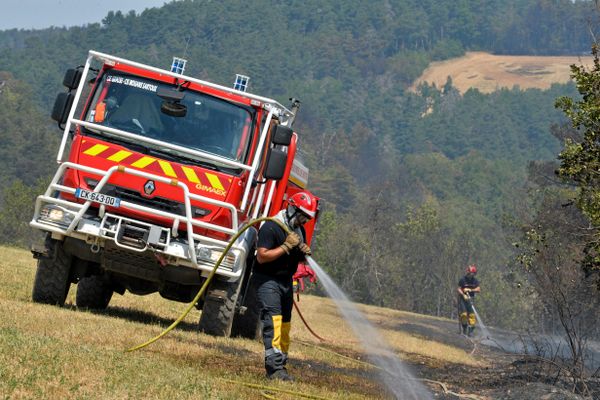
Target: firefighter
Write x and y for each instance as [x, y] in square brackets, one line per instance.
[277, 258]
[468, 285]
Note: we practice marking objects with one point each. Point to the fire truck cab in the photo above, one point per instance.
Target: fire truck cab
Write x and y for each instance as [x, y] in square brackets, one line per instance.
[157, 172]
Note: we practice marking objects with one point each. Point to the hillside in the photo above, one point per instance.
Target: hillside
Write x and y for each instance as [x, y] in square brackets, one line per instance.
[487, 72]
[409, 197]
[52, 352]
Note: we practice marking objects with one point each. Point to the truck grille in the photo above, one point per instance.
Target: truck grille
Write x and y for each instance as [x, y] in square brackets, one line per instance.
[156, 202]
[160, 203]
[141, 265]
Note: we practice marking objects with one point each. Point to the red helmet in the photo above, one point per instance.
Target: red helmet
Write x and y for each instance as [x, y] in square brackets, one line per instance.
[305, 203]
[471, 269]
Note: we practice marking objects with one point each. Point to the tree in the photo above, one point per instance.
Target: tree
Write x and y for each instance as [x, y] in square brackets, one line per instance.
[16, 210]
[580, 158]
[563, 302]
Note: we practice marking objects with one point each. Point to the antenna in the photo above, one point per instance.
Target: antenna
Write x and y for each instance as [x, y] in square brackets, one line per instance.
[187, 42]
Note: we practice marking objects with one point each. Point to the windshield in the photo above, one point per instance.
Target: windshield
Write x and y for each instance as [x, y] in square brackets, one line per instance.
[131, 103]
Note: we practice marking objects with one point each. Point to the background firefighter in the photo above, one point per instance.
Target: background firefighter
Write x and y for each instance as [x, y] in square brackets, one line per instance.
[468, 285]
[277, 256]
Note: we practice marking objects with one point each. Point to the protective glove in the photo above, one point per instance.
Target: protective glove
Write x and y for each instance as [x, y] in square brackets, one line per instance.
[305, 249]
[467, 297]
[292, 240]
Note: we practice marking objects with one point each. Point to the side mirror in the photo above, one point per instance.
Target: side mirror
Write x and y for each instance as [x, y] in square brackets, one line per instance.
[282, 135]
[72, 78]
[62, 106]
[275, 164]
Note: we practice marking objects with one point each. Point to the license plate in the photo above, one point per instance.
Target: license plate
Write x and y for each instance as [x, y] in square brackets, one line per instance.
[98, 197]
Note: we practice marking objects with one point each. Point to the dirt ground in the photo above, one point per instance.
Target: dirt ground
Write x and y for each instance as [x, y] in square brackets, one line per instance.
[68, 353]
[487, 72]
[504, 375]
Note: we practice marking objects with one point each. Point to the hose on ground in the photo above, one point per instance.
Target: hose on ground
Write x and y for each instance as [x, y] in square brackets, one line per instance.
[274, 389]
[209, 279]
[306, 323]
[253, 385]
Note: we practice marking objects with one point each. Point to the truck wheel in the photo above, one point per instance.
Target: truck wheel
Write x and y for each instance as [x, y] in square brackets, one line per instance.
[247, 324]
[219, 307]
[52, 279]
[93, 292]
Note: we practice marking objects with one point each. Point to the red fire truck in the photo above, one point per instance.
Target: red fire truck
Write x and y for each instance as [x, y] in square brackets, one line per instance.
[157, 171]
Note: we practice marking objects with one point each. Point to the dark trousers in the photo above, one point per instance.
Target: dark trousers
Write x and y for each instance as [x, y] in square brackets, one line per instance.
[276, 300]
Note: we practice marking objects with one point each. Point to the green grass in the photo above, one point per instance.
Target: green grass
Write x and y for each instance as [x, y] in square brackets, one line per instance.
[52, 352]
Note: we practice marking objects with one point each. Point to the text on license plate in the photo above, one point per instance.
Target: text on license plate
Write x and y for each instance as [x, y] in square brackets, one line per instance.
[98, 197]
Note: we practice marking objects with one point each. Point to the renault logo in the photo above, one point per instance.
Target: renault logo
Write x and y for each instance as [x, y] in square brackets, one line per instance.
[149, 188]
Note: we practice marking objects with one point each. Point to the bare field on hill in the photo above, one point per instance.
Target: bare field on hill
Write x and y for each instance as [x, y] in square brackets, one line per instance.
[487, 72]
[51, 352]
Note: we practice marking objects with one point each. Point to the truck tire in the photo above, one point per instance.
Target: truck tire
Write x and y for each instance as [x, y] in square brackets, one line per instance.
[217, 314]
[93, 292]
[247, 324]
[52, 278]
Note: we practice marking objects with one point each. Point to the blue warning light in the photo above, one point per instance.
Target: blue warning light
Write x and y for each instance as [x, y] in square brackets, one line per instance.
[241, 82]
[178, 65]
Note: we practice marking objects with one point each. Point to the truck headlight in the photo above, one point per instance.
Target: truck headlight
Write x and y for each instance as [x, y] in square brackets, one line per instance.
[212, 255]
[204, 253]
[56, 215]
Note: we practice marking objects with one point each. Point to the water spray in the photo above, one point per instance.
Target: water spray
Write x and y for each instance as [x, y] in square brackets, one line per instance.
[484, 330]
[396, 377]
[394, 374]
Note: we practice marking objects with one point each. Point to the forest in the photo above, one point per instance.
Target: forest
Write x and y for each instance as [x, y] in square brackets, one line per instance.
[415, 185]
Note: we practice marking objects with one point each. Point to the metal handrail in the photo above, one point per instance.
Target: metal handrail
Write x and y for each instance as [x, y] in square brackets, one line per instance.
[282, 110]
[272, 106]
[190, 222]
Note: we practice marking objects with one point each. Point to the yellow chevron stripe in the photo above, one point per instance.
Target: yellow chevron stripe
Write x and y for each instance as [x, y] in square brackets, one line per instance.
[214, 181]
[167, 168]
[95, 150]
[120, 155]
[143, 162]
[190, 174]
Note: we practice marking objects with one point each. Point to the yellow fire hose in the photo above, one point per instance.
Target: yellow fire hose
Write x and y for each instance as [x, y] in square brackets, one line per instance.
[263, 388]
[209, 279]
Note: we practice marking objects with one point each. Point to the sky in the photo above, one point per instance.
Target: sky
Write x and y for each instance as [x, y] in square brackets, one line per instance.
[39, 14]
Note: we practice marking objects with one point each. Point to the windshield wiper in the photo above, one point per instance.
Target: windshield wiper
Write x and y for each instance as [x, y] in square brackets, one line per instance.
[167, 155]
[182, 158]
[125, 143]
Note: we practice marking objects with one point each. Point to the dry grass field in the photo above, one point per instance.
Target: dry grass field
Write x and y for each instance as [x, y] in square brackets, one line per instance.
[487, 72]
[65, 353]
